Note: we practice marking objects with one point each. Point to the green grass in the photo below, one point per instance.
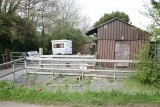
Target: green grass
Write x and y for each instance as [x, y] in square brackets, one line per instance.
[13, 92]
[132, 85]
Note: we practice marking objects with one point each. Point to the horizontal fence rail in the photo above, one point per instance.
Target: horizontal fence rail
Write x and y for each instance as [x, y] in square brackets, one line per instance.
[18, 55]
[11, 62]
[67, 56]
[74, 66]
[13, 65]
[82, 60]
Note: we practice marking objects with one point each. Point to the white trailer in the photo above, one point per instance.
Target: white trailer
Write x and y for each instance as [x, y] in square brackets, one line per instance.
[61, 47]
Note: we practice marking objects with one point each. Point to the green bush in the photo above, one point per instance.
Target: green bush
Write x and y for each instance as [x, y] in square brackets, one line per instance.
[148, 68]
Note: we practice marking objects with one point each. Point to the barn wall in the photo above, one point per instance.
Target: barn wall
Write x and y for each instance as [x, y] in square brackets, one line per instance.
[116, 29]
[113, 31]
[105, 50]
[135, 47]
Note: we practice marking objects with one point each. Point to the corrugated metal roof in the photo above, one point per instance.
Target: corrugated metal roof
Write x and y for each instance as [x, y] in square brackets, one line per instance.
[94, 30]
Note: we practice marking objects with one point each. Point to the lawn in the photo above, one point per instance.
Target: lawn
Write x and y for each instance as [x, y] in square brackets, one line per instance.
[14, 92]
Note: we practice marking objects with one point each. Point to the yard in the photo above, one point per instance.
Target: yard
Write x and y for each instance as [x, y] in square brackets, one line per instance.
[82, 90]
[73, 91]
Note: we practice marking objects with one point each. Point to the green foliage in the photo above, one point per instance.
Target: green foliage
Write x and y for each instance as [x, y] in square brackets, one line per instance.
[148, 68]
[25, 36]
[107, 17]
[155, 4]
[88, 80]
[12, 92]
[5, 38]
[70, 33]
[16, 33]
[133, 85]
[153, 12]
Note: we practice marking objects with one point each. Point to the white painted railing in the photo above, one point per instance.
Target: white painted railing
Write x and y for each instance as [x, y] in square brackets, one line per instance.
[13, 65]
[55, 65]
[68, 56]
[18, 55]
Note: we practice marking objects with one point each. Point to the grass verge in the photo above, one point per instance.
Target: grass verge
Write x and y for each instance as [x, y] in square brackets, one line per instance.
[12, 92]
[133, 85]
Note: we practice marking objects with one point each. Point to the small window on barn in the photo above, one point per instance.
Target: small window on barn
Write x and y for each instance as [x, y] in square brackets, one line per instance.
[58, 45]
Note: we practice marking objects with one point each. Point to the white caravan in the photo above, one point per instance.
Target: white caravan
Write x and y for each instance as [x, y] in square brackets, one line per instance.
[61, 47]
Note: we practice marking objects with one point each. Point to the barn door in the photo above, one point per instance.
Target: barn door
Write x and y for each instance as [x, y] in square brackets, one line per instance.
[122, 52]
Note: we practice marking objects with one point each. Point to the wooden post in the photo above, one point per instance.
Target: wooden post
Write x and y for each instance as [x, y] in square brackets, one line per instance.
[13, 72]
[94, 63]
[114, 76]
[7, 55]
[58, 65]
[25, 65]
[52, 69]
[4, 60]
[114, 71]
[3, 57]
[76, 64]
[40, 53]
[83, 71]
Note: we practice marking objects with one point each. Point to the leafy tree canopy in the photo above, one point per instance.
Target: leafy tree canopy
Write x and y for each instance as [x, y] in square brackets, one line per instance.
[16, 30]
[148, 68]
[155, 4]
[106, 17]
[70, 33]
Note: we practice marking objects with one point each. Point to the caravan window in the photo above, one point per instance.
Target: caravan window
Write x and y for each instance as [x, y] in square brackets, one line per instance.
[58, 45]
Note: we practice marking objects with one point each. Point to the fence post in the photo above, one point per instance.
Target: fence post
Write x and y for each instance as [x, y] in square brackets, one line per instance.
[114, 71]
[13, 71]
[83, 71]
[25, 65]
[58, 65]
[7, 55]
[76, 64]
[114, 76]
[40, 53]
[3, 57]
[52, 69]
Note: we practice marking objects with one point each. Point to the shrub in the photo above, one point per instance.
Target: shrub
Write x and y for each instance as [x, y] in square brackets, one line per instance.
[148, 68]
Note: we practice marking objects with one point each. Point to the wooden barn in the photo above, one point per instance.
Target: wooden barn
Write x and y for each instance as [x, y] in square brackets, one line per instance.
[118, 40]
[86, 49]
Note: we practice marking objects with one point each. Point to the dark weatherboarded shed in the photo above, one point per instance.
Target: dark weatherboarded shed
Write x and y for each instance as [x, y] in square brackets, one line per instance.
[118, 40]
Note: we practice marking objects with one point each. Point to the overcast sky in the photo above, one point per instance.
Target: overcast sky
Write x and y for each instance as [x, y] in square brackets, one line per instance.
[96, 8]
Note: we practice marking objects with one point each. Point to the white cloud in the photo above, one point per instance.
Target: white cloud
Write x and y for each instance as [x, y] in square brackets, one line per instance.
[96, 8]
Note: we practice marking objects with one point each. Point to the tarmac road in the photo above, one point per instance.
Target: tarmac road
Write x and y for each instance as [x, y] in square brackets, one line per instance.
[13, 104]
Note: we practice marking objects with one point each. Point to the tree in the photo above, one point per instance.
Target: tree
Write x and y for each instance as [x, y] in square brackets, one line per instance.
[153, 12]
[69, 33]
[106, 17]
[148, 68]
[14, 29]
[69, 23]
[36, 20]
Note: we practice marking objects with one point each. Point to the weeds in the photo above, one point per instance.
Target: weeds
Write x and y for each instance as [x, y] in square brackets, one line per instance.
[11, 92]
[88, 80]
[31, 79]
[135, 86]
[111, 80]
